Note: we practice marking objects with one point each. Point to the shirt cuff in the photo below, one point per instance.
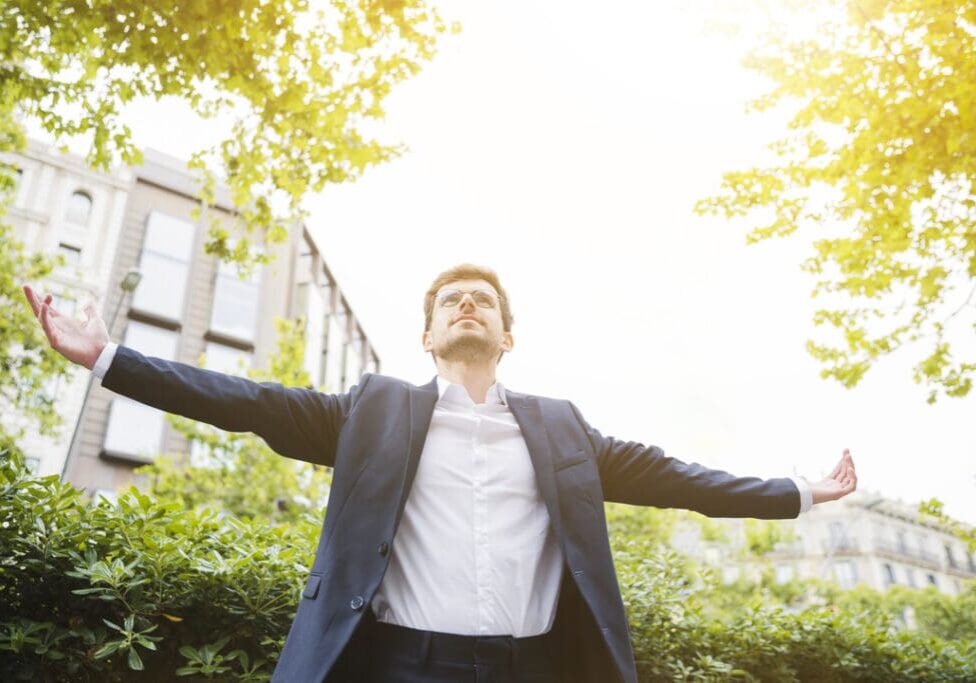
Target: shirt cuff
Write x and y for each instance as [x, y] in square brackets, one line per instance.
[806, 493]
[104, 361]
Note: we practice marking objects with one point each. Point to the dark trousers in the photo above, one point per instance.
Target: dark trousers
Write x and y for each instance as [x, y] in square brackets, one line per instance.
[383, 653]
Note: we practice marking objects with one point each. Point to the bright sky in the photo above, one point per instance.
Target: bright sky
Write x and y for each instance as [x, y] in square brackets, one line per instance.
[564, 145]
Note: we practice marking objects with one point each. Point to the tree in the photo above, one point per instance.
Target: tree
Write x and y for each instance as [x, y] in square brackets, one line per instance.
[238, 473]
[302, 85]
[27, 362]
[879, 161]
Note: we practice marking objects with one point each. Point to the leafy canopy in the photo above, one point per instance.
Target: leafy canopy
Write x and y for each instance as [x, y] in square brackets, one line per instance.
[301, 84]
[878, 163]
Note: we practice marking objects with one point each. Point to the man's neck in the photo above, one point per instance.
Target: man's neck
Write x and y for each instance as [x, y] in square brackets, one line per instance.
[477, 378]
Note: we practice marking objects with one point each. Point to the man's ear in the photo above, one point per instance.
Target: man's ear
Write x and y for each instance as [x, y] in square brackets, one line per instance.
[427, 341]
[508, 341]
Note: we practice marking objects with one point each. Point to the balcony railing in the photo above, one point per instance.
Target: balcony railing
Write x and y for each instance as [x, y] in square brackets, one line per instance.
[959, 568]
[841, 546]
[905, 553]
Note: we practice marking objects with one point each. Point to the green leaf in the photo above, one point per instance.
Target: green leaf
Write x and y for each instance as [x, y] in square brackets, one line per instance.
[135, 662]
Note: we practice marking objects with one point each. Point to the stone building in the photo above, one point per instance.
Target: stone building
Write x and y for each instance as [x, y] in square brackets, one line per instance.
[188, 304]
[863, 539]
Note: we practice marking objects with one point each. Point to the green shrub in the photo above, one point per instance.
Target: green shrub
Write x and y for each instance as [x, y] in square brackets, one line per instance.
[92, 591]
[147, 590]
[677, 638]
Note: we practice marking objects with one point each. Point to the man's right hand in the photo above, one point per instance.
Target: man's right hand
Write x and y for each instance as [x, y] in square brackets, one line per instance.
[80, 341]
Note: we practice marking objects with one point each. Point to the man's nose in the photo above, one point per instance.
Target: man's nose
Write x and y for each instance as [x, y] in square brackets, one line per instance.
[467, 302]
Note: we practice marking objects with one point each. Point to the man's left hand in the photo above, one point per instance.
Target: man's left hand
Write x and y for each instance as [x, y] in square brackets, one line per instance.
[839, 483]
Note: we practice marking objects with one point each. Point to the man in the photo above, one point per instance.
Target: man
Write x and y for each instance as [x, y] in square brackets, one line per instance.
[465, 538]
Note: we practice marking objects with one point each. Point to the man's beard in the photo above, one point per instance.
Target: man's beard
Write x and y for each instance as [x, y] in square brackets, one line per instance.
[467, 349]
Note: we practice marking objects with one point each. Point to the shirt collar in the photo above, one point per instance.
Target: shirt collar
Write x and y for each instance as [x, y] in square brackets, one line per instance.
[495, 395]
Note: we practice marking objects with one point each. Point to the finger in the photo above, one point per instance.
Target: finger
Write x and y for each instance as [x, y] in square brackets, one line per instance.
[52, 311]
[46, 323]
[850, 483]
[33, 300]
[848, 473]
[837, 470]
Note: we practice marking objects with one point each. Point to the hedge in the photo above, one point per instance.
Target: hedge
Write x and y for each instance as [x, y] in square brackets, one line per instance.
[144, 590]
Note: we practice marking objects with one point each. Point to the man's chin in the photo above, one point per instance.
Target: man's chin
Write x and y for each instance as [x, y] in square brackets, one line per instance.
[468, 348]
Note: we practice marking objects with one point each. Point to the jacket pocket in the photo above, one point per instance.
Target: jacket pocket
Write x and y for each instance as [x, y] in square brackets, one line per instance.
[577, 458]
[312, 586]
[579, 478]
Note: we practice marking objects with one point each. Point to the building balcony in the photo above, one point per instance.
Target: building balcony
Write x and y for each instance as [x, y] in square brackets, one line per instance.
[841, 546]
[903, 553]
[965, 570]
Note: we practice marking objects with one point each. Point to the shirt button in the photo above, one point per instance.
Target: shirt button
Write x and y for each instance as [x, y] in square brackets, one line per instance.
[357, 602]
[383, 548]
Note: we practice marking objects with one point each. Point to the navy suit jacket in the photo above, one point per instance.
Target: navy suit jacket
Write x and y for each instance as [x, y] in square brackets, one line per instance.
[373, 436]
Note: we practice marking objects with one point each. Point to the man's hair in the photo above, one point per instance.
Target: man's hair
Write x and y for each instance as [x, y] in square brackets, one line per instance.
[467, 271]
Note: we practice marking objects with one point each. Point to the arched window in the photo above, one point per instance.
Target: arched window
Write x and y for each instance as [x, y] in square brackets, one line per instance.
[79, 208]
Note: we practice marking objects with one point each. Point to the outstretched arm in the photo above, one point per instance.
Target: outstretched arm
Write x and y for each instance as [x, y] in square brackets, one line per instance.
[636, 474]
[295, 422]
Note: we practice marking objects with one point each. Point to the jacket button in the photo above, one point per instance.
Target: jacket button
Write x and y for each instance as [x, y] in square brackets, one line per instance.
[383, 548]
[357, 602]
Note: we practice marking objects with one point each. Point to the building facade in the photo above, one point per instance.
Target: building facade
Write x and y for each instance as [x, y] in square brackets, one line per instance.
[61, 206]
[863, 539]
[189, 306]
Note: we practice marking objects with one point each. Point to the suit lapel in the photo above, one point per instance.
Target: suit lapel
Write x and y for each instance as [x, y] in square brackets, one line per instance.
[422, 402]
[528, 414]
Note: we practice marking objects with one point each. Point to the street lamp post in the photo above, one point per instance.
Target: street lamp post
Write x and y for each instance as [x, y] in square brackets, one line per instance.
[127, 285]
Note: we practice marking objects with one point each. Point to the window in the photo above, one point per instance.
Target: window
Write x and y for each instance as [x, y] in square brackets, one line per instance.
[165, 264]
[226, 359]
[304, 268]
[79, 209]
[335, 343]
[71, 254]
[888, 575]
[134, 429]
[838, 536]
[902, 542]
[313, 309]
[230, 361]
[16, 176]
[846, 574]
[910, 577]
[950, 557]
[354, 363]
[64, 305]
[235, 305]
[932, 580]
[372, 362]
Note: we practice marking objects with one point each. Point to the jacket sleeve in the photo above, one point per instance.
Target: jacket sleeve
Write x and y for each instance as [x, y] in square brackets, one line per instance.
[295, 422]
[636, 474]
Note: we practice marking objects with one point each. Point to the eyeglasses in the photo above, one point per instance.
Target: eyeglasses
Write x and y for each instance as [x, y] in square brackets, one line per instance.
[452, 297]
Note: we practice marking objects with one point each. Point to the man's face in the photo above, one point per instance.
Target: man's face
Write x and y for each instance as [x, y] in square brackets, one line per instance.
[466, 331]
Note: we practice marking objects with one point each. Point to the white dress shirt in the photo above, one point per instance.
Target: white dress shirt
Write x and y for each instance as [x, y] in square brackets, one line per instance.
[474, 553]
